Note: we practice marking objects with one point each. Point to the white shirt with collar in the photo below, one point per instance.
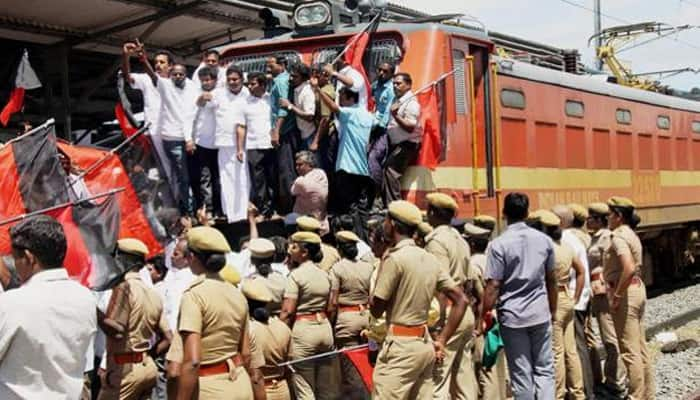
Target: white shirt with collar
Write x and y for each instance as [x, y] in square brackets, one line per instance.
[229, 111]
[258, 123]
[46, 327]
[204, 128]
[581, 254]
[174, 285]
[409, 110]
[151, 99]
[178, 108]
[358, 84]
[305, 99]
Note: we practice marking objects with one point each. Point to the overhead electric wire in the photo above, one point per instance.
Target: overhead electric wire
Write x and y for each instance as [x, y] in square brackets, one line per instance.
[612, 17]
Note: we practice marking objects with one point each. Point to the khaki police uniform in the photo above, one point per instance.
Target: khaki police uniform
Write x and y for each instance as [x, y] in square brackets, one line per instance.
[131, 372]
[492, 381]
[454, 377]
[614, 372]
[567, 364]
[352, 280]
[330, 257]
[274, 338]
[630, 314]
[275, 283]
[312, 333]
[218, 312]
[408, 279]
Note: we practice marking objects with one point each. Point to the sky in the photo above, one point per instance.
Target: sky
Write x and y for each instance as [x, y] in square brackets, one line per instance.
[569, 24]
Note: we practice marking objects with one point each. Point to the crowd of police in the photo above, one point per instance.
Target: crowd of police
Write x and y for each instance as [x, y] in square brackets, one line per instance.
[203, 321]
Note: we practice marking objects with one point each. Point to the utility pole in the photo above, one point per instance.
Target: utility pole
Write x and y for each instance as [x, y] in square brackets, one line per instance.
[596, 31]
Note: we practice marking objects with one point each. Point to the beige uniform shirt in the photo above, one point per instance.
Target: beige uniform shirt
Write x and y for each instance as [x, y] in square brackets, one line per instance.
[600, 242]
[257, 359]
[352, 280]
[219, 313]
[452, 252]
[583, 236]
[475, 275]
[563, 258]
[407, 280]
[310, 286]
[140, 310]
[274, 339]
[623, 242]
[330, 257]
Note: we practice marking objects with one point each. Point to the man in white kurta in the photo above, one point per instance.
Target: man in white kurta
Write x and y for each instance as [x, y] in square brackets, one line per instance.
[229, 104]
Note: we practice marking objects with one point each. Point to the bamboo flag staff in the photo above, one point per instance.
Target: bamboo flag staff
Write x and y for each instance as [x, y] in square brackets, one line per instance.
[45, 125]
[431, 84]
[59, 206]
[289, 364]
[356, 37]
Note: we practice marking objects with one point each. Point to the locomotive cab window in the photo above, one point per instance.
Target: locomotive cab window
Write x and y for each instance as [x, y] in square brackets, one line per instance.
[663, 122]
[513, 98]
[574, 108]
[385, 50]
[696, 126]
[256, 62]
[460, 85]
[623, 116]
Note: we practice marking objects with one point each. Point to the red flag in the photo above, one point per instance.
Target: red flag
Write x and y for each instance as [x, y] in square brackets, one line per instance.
[124, 123]
[77, 261]
[360, 360]
[356, 47]
[431, 145]
[112, 174]
[25, 79]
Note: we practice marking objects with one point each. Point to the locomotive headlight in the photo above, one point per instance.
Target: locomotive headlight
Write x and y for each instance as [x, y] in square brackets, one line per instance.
[312, 14]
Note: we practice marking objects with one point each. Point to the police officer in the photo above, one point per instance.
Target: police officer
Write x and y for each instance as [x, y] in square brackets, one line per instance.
[422, 230]
[578, 224]
[455, 375]
[272, 337]
[485, 222]
[304, 309]
[131, 372]
[614, 372]
[492, 381]
[262, 253]
[627, 296]
[213, 325]
[569, 377]
[350, 281]
[407, 281]
[330, 254]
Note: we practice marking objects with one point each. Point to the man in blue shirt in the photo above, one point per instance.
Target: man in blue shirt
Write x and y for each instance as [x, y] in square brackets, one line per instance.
[284, 135]
[383, 93]
[352, 182]
[520, 278]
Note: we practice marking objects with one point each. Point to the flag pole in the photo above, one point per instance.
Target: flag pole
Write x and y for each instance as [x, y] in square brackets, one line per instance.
[355, 38]
[322, 355]
[431, 84]
[59, 206]
[110, 154]
[45, 125]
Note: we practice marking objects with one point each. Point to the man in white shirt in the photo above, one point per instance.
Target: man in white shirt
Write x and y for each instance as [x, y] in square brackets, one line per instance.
[47, 325]
[404, 132]
[566, 216]
[304, 106]
[178, 97]
[211, 59]
[261, 155]
[162, 63]
[206, 183]
[229, 104]
[350, 77]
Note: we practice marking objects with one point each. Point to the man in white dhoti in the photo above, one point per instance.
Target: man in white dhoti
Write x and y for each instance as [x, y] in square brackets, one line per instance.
[229, 104]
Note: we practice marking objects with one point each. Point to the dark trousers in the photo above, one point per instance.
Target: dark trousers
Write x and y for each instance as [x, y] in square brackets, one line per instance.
[175, 152]
[400, 157]
[583, 355]
[355, 193]
[289, 145]
[261, 164]
[376, 156]
[205, 180]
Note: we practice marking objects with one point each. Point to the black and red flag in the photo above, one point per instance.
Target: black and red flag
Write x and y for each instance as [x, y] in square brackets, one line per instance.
[355, 51]
[25, 79]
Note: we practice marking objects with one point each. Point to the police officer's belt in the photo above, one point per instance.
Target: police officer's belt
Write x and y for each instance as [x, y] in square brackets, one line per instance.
[313, 316]
[356, 308]
[220, 367]
[405, 330]
[128, 358]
